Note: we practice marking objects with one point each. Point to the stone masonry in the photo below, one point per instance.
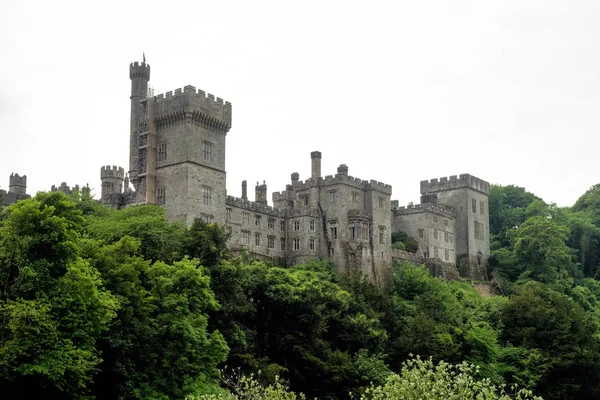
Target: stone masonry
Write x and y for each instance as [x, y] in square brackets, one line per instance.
[177, 161]
[17, 190]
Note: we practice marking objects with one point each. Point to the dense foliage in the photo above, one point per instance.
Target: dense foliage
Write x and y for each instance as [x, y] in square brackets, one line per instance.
[99, 303]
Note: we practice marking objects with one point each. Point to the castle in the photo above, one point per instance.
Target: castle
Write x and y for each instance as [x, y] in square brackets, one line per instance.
[177, 161]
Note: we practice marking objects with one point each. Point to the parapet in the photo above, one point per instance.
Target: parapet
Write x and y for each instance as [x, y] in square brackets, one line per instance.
[112, 172]
[202, 108]
[440, 209]
[454, 182]
[139, 70]
[253, 206]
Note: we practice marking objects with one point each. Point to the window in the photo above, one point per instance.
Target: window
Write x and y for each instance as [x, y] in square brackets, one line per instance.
[296, 244]
[257, 239]
[474, 205]
[246, 237]
[271, 223]
[435, 234]
[331, 251]
[381, 234]
[446, 237]
[282, 240]
[355, 231]
[282, 226]
[478, 230]
[228, 213]
[271, 242]
[354, 198]
[207, 218]
[313, 243]
[445, 222]
[365, 231]
[333, 230]
[481, 208]
[245, 218]
[311, 225]
[206, 195]
[161, 196]
[435, 252]
[207, 148]
[305, 200]
[450, 238]
[333, 196]
[228, 230]
[421, 233]
[162, 152]
[446, 255]
[257, 220]
[381, 202]
[296, 225]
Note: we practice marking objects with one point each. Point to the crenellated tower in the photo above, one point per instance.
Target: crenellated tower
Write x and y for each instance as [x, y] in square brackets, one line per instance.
[468, 196]
[18, 184]
[112, 182]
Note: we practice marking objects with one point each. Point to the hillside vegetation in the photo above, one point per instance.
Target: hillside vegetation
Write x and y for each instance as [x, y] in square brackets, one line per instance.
[106, 304]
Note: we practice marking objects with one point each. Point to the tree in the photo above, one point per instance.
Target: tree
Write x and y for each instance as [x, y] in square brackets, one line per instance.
[160, 239]
[564, 336]
[509, 208]
[53, 305]
[538, 251]
[160, 344]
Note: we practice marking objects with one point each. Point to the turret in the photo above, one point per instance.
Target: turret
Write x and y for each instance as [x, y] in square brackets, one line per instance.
[18, 184]
[112, 181]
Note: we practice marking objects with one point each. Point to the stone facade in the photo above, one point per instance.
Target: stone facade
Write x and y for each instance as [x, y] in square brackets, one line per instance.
[177, 161]
[17, 190]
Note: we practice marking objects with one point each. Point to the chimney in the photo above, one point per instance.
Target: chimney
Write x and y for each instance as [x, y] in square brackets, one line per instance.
[295, 178]
[343, 170]
[316, 164]
[260, 193]
[244, 190]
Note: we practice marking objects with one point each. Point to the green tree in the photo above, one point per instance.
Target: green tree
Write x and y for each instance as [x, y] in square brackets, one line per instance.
[564, 337]
[160, 344]
[53, 305]
[160, 239]
[538, 251]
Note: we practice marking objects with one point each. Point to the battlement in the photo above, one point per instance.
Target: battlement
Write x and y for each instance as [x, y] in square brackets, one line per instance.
[16, 180]
[197, 103]
[139, 70]
[112, 172]
[253, 206]
[439, 209]
[453, 182]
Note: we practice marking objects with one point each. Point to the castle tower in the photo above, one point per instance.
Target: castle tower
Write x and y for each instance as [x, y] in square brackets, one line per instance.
[469, 196]
[139, 73]
[189, 128]
[112, 182]
[18, 184]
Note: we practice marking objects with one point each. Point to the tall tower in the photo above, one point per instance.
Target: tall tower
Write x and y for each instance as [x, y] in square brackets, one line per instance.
[189, 168]
[139, 73]
[469, 196]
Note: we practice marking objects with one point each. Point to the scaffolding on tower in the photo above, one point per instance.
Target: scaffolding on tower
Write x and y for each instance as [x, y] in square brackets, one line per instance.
[141, 151]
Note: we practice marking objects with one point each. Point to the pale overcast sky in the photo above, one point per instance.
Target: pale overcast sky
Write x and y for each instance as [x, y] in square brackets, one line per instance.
[400, 91]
